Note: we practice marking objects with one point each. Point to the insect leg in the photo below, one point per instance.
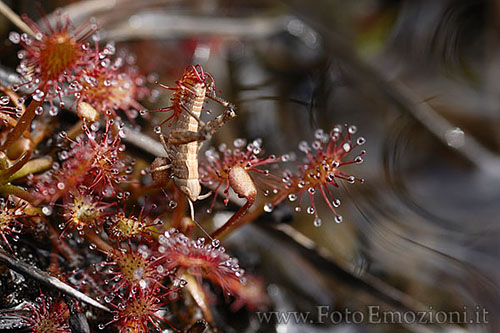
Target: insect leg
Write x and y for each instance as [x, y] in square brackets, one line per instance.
[189, 112]
[161, 164]
[219, 100]
[212, 126]
[163, 142]
[180, 137]
[161, 168]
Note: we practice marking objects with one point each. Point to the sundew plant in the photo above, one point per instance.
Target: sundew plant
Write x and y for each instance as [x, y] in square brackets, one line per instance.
[120, 231]
[181, 166]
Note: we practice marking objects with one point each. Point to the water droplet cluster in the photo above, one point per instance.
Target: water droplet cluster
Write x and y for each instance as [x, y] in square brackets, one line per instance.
[93, 161]
[207, 260]
[110, 86]
[323, 166]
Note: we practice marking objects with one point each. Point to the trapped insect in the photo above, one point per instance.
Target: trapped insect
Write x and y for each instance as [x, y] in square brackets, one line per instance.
[185, 140]
[184, 91]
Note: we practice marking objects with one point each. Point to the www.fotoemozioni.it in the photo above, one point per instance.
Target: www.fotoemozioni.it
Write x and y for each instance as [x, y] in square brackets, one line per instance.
[375, 314]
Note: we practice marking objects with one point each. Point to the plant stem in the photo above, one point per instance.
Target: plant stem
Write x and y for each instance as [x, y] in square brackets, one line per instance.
[235, 221]
[33, 166]
[75, 130]
[98, 241]
[7, 189]
[23, 123]
[6, 174]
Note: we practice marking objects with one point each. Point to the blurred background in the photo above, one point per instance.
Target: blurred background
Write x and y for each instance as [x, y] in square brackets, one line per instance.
[420, 81]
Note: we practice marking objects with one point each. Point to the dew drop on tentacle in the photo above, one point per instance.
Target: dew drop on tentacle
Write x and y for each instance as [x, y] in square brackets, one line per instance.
[14, 37]
[239, 142]
[53, 110]
[39, 111]
[4, 100]
[47, 210]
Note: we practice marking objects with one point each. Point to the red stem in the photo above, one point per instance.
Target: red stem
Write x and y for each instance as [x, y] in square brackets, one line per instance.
[62, 247]
[235, 220]
[24, 122]
[98, 241]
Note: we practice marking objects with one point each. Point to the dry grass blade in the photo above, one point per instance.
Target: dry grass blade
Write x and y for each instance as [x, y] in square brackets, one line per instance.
[46, 279]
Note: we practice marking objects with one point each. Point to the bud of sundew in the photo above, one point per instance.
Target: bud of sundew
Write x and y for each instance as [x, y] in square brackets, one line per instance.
[86, 112]
[321, 171]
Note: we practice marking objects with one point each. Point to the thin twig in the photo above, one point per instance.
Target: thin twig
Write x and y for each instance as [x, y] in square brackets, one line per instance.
[158, 25]
[46, 279]
[144, 142]
[79, 12]
[15, 19]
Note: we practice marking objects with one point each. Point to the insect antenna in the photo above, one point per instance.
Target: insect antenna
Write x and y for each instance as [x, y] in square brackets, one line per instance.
[191, 207]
